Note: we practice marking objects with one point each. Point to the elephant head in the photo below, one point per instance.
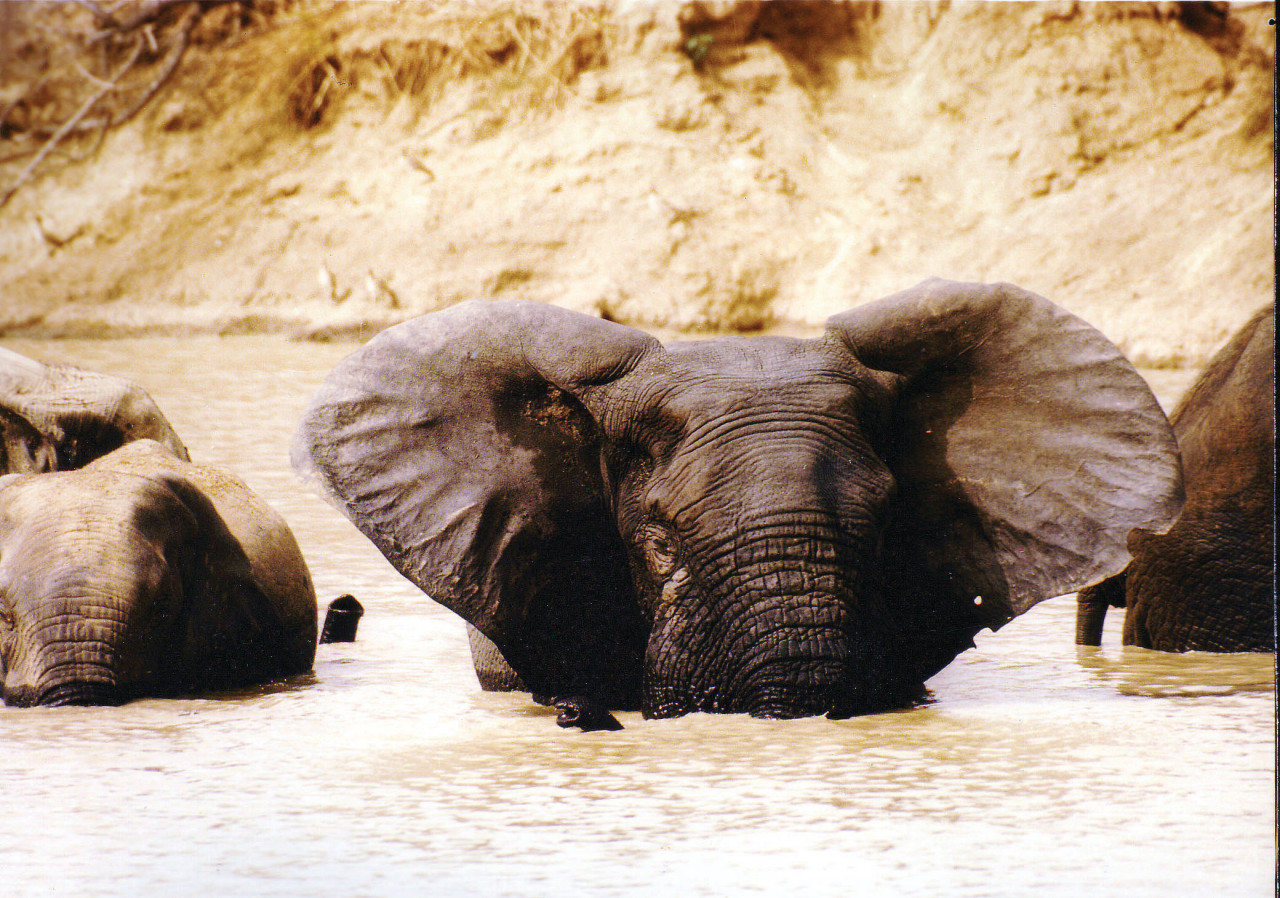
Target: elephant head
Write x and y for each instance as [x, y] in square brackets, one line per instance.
[123, 579]
[768, 525]
[78, 415]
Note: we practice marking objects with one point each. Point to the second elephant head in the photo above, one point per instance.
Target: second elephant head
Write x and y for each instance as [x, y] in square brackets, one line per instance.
[768, 525]
[60, 417]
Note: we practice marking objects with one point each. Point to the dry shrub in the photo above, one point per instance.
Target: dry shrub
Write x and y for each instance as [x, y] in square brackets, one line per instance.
[69, 73]
[55, 57]
[530, 50]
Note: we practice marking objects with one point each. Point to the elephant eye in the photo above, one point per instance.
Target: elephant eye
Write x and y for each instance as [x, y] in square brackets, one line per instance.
[661, 548]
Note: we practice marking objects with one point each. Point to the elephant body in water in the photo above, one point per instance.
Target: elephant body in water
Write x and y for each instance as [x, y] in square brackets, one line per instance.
[767, 525]
[145, 575]
[59, 417]
[1208, 584]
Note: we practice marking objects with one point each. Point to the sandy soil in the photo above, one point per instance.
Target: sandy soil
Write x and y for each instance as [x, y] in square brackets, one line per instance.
[685, 167]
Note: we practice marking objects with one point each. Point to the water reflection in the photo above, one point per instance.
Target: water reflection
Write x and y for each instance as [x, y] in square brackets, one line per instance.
[1137, 671]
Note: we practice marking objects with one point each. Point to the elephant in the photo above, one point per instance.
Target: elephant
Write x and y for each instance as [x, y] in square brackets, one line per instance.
[1208, 584]
[60, 417]
[143, 575]
[762, 524]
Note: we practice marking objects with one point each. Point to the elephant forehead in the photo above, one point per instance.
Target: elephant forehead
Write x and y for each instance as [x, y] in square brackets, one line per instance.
[77, 520]
[80, 503]
[782, 380]
[745, 357]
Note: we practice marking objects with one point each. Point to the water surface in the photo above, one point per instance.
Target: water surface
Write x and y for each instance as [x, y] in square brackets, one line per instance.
[1037, 768]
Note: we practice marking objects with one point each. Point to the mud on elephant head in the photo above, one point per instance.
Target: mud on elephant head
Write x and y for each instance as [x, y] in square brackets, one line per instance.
[59, 417]
[144, 575]
[768, 525]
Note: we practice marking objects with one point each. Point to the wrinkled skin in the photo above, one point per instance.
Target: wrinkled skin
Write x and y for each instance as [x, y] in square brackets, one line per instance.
[1208, 584]
[59, 418]
[765, 525]
[144, 575]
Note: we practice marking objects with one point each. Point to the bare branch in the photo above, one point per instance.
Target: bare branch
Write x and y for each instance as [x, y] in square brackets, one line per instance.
[140, 14]
[69, 125]
[100, 15]
[155, 34]
[89, 76]
[181, 42]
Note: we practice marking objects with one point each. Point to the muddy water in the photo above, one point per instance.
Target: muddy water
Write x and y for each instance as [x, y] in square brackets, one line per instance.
[1037, 768]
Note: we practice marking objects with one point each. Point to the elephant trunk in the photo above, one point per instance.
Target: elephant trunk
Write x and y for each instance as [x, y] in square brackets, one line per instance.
[1090, 618]
[80, 684]
[1091, 608]
[774, 636]
[787, 688]
[82, 692]
[779, 680]
[81, 651]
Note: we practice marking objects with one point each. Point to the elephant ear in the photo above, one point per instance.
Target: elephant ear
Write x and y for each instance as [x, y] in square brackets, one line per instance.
[457, 443]
[23, 449]
[1026, 448]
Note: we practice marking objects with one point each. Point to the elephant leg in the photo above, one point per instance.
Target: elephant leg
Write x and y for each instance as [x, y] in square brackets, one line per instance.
[1091, 608]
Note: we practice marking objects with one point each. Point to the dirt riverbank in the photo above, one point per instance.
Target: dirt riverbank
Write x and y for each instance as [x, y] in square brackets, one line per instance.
[325, 169]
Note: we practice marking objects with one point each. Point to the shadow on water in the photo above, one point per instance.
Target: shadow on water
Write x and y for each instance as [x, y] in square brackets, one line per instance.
[295, 683]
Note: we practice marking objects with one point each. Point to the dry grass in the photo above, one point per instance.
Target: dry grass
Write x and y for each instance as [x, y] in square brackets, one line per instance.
[532, 51]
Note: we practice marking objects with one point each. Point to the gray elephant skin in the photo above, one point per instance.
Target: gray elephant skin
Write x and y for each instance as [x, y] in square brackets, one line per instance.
[145, 575]
[60, 417]
[1209, 583]
[776, 526]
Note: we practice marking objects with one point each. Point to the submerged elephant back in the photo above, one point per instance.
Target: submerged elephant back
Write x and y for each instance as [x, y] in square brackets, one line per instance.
[1225, 423]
